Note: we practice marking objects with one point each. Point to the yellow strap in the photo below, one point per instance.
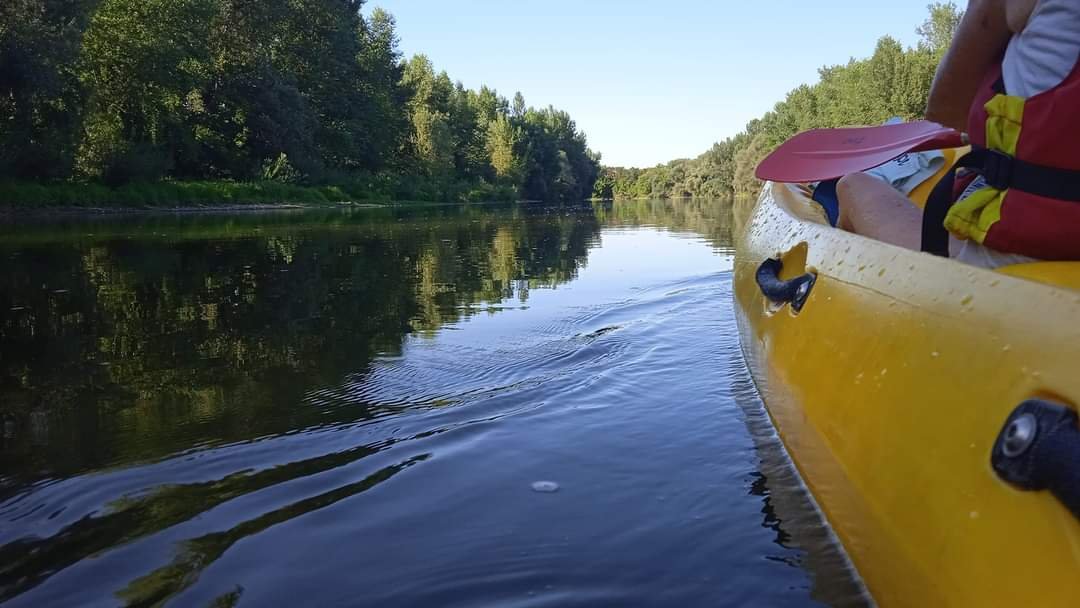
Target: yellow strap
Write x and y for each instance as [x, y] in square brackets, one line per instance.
[972, 217]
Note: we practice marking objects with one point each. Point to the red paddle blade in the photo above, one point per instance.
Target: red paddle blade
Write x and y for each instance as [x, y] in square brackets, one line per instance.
[823, 154]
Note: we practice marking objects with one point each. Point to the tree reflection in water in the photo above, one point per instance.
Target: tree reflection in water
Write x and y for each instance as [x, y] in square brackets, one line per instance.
[129, 342]
[126, 341]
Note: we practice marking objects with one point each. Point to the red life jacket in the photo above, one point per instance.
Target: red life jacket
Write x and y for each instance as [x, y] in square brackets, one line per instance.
[1026, 149]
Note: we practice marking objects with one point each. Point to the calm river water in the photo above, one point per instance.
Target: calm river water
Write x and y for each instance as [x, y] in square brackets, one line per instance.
[364, 408]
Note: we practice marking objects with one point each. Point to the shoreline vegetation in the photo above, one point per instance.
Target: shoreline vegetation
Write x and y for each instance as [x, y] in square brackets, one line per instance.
[90, 199]
[26, 196]
[894, 81]
[204, 104]
[91, 196]
[151, 103]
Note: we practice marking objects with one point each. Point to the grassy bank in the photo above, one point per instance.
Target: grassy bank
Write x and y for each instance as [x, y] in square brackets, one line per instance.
[140, 195]
[31, 195]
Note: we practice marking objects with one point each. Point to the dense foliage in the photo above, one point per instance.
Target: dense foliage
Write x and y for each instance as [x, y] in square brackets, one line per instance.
[307, 92]
[893, 82]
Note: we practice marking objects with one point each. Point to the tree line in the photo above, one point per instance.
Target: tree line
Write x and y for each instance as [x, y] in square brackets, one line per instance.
[894, 81]
[306, 92]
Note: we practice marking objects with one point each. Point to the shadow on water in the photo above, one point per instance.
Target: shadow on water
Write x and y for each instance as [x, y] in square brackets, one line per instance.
[167, 581]
[787, 507]
[191, 406]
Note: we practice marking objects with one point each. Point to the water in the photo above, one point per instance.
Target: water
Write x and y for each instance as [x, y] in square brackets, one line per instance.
[436, 406]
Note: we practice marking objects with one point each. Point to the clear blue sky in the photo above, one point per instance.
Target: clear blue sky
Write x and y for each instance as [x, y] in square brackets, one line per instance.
[648, 82]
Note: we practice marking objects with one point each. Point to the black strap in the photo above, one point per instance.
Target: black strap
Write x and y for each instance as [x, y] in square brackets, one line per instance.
[935, 239]
[1001, 171]
[999, 85]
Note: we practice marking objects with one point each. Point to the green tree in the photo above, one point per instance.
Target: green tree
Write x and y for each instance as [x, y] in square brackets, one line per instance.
[143, 64]
[306, 91]
[518, 109]
[382, 72]
[939, 28]
[41, 101]
[502, 144]
[894, 81]
[433, 142]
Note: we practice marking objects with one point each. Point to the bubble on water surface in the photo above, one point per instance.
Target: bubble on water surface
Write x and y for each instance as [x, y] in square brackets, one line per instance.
[545, 487]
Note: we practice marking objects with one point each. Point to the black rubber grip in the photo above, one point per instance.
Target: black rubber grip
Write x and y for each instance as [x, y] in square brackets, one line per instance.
[1047, 460]
[794, 291]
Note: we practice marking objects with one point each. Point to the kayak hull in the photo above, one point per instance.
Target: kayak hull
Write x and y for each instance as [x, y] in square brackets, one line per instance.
[889, 388]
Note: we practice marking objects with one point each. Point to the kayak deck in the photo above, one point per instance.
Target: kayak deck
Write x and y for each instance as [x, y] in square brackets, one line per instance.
[889, 388]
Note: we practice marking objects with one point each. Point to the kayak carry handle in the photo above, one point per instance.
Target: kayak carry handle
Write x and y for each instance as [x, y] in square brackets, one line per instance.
[1039, 449]
[794, 291]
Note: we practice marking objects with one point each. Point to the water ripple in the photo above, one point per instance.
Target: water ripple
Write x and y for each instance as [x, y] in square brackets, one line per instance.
[408, 480]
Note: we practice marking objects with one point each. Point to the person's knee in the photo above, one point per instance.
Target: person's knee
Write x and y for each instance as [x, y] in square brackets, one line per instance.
[847, 192]
[849, 186]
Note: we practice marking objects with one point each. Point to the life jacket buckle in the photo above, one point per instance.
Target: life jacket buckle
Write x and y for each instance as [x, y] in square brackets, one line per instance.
[997, 169]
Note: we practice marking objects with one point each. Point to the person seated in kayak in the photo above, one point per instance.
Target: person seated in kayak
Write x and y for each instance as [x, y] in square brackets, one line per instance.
[1011, 80]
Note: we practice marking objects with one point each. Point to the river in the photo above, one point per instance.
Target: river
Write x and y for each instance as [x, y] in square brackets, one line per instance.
[409, 406]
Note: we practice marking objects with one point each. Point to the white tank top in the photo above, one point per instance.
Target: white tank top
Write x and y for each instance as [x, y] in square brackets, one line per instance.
[1046, 51]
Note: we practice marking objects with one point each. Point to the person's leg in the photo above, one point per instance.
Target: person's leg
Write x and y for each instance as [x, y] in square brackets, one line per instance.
[870, 207]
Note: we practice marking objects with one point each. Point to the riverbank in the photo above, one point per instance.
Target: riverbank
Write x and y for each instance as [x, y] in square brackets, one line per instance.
[197, 196]
[165, 194]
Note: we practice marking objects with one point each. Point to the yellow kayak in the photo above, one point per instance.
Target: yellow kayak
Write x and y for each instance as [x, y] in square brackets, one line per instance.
[894, 378]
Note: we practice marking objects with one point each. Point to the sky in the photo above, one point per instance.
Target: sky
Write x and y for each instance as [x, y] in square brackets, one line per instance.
[648, 82]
